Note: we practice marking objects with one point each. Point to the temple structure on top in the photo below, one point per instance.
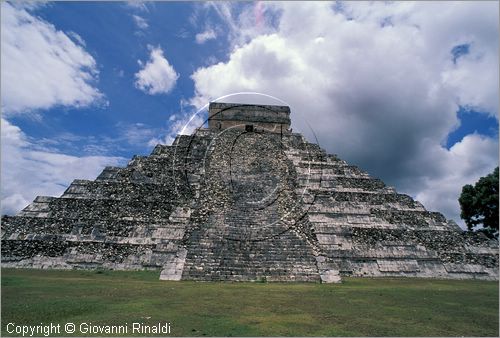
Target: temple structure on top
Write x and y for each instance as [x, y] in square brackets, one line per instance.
[270, 118]
[245, 199]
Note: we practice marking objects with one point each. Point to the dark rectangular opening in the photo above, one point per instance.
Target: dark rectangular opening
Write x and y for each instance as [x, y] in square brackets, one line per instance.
[249, 127]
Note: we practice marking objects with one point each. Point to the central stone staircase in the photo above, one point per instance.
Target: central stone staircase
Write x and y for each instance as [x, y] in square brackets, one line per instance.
[251, 233]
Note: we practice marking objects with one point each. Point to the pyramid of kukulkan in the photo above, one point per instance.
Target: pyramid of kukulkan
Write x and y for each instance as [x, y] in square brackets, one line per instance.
[245, 199]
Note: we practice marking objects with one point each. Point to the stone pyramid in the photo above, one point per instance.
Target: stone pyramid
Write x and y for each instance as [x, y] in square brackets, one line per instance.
[245, 199]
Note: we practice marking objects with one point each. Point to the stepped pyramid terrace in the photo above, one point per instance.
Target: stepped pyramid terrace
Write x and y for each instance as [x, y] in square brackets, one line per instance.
[245, 199]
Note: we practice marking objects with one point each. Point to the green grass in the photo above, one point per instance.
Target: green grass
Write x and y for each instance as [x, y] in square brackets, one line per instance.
[357, 307]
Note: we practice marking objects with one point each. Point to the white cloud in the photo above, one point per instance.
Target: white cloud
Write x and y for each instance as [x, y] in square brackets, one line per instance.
[41, 66]
[137, 134]
[475, 65]
[77, 38]
[377, 83]
[27, 172]
[464, 163]
[203, 37]
[138, 5]
[243, 20]
[184, 122]
[140, 22]
[157, 76]
[30, 4]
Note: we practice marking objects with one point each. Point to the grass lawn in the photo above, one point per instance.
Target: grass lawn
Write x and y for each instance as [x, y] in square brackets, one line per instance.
[357, 307]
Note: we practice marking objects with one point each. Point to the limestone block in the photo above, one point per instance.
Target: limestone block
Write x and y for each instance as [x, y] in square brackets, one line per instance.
[359, 218]
[44, 262]
[432, 268]
[408, 265]
[36, 206]
[465, 268]
[77, 189]
[180, 214]
[330, 276]
[167, 247]
[168, 233]
[334, 240]
[85, 258]
[172, 270]
[364, 268]
[482, 249]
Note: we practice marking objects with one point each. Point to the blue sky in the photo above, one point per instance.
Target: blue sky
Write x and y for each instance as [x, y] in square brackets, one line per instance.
[472, 122]
[116, 43]
[407, 91]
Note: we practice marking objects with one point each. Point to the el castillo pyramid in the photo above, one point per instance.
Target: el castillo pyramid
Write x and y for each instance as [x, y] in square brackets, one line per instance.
[245, 199]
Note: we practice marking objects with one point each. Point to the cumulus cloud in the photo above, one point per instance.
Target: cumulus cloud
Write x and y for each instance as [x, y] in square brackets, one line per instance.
[41, 66]
[204, 36]
[473, 157]
[28, 172]
[157, 76]
[377, 82]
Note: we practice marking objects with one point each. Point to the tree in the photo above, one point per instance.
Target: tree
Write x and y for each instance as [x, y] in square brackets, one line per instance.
[479, 204]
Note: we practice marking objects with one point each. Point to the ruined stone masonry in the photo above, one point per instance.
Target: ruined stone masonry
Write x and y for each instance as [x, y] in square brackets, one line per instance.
[243, 200]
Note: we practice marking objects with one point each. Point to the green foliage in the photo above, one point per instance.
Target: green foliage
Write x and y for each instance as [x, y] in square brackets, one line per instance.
[479, 204]
[357, 307]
